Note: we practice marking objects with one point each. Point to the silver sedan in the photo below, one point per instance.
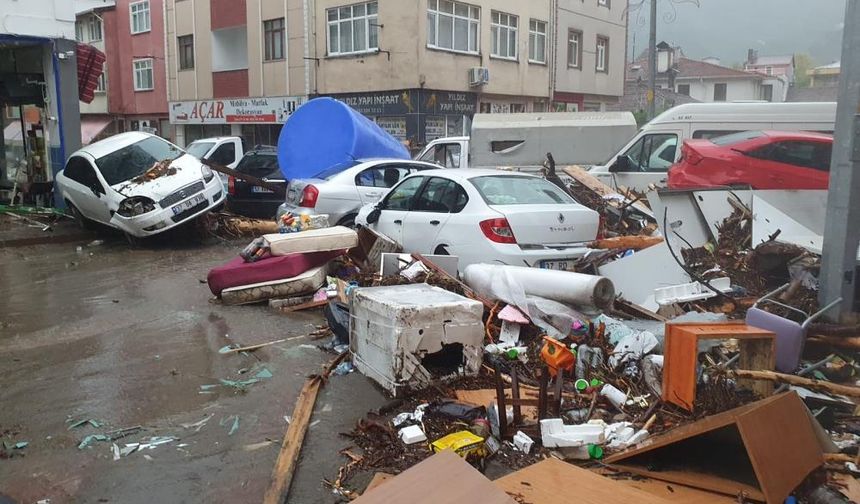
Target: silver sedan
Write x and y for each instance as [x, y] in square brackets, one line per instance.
[340, 194]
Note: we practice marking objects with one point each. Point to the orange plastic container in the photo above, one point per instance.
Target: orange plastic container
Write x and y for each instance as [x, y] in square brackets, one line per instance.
[557, 356]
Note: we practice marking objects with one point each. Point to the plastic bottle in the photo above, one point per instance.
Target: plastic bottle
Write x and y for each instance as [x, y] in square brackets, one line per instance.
[613, 395]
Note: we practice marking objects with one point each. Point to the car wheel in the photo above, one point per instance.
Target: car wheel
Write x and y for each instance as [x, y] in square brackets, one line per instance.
[348, 221]
[80, 220]
[441, 250]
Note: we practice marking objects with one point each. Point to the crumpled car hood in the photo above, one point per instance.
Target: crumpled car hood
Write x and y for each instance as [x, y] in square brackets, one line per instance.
[187, 171]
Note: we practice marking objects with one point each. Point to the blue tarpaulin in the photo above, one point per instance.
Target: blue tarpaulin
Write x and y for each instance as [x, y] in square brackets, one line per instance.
[325, 134]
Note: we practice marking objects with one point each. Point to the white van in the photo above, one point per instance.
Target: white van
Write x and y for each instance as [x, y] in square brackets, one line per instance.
[646, 158]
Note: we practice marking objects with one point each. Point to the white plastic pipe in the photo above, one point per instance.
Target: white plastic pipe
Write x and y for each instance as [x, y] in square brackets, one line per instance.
[507, 283]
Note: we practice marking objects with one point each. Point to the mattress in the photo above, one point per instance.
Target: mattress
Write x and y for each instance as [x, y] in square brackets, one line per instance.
[314, 240]
[237, 272]
[299, 285]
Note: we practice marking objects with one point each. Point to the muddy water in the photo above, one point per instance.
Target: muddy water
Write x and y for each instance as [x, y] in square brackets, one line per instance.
[128, 337]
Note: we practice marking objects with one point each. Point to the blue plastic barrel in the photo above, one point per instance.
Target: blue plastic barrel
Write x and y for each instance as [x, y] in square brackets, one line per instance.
[326, 135]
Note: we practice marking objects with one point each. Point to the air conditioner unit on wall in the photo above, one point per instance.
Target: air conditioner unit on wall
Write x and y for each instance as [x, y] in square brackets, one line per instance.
[478, 76]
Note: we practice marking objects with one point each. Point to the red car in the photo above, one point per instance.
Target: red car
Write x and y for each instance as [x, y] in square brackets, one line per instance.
[760, 159]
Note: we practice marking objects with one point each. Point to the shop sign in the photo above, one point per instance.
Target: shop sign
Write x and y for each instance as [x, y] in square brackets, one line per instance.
[381, 104]
[267, 110]
[448, 103]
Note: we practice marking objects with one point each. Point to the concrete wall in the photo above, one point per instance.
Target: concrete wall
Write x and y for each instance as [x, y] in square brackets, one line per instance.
[38, 18]
[122, 49]
[592, 20]
[264, 78]
[412, 64]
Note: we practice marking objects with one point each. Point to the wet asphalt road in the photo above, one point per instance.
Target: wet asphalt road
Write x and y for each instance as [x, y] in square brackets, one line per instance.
[127, 337]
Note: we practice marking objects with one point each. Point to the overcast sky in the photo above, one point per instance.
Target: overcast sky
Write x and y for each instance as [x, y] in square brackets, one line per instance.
[727, 28]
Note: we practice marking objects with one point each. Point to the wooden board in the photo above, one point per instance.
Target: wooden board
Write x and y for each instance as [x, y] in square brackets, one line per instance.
[552, 481]
[670, 491]
[442, 478]
[378, 479]
[483, 397]
[773, 442]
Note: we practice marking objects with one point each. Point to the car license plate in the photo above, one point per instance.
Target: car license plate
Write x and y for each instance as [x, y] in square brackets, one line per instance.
[186, 205]
[261, 190]
[557, 265]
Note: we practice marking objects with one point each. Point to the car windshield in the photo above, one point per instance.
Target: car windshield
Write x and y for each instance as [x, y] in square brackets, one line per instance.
[135, 159]
[517, 190]
[199, 149]
[734, 138]
[260, 165]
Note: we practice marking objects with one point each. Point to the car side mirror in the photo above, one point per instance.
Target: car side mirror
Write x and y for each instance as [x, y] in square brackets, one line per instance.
[373, 216]
[621, 164]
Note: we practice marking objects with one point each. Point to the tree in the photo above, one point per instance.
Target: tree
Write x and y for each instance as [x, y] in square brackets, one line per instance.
[803, 62]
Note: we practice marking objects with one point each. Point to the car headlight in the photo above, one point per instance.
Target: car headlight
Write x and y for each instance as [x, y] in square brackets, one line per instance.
[207, 172]
[135, 205]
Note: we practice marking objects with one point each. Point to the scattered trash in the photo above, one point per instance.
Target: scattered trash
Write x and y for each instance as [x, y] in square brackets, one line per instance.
[412, 434]
[523, 442]
[86, 421]
[233, 422]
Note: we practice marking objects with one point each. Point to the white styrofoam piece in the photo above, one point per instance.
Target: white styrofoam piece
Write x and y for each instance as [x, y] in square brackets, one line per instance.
[694, 291]
[681, 207]
[555, 434]
[412, 434]
[523, 442]
[807, 207]
[636, 276]
[393, 328]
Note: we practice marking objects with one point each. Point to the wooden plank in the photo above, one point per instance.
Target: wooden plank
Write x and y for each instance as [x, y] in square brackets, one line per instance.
[442, 478]
[673, 492]
[304, 306]
[282, 475]
[552, 481]
[285, 466]
[635, 242]
[810, 383]
[636, 311]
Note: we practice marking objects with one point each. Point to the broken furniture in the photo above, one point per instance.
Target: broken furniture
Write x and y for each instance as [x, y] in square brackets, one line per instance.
[552, 481]
[444, 477]
[237, 272]
[681, 351]
[790, 335]
[764, 449]
[516, 401]
[370, 248]
[402, 335]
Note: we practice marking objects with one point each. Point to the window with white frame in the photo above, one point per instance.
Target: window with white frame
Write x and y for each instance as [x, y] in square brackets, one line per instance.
[140, 20]
[143, 78]
[503, 29]
[353, 29]
[453, 26]
[602, 55]
[101, 87]
[603, 3]
[574, 48]
[94, 27]
[79, 31]
[537, 41]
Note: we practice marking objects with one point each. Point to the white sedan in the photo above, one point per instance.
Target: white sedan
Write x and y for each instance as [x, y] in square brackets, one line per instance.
[340, 193]
[138, 183]
[485, 216]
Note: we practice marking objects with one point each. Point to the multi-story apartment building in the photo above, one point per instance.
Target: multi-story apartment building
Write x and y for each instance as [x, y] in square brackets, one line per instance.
[420, 68]
[132, 92]
[590, 54]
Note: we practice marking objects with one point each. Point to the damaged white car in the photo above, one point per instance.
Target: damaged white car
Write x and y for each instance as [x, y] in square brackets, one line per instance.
[138, 183]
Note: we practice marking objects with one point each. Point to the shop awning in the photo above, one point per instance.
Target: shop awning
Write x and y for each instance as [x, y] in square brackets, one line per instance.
[90, 67]
[92, 126]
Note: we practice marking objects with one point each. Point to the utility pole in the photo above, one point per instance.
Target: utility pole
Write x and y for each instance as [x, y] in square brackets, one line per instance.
[842, 227]
[652, 63]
